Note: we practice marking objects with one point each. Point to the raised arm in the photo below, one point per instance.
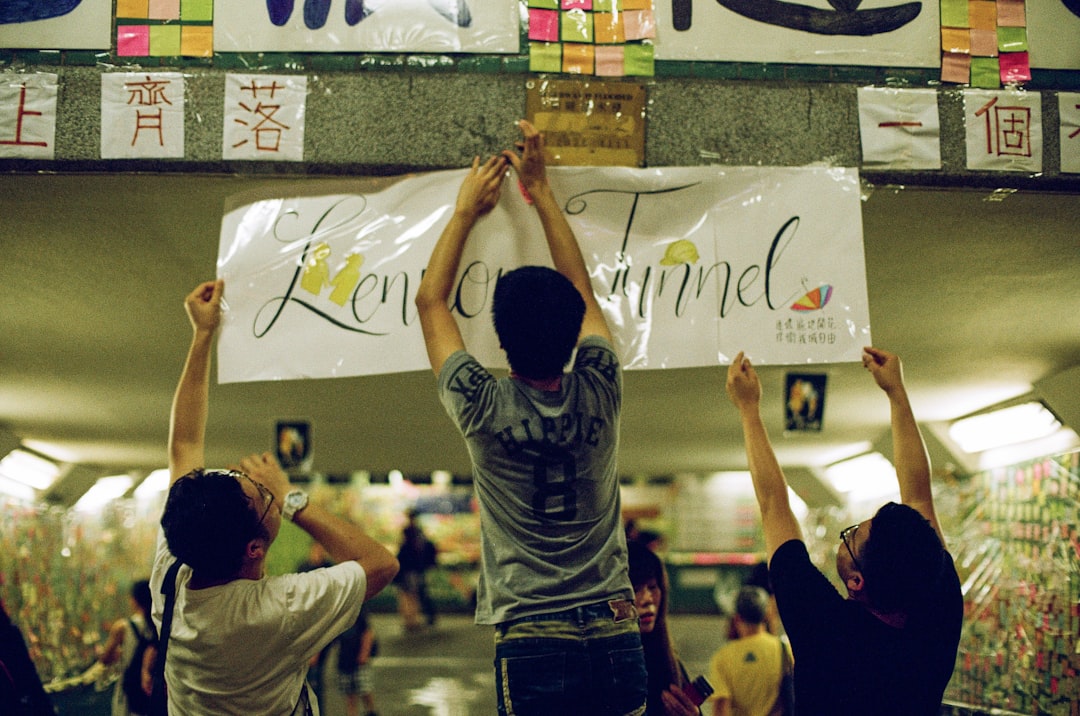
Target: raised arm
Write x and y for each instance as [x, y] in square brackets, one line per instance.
[342, 539]
[187, 424]
[478, 195]
[770, 487]
[909, 451]
[565, 252]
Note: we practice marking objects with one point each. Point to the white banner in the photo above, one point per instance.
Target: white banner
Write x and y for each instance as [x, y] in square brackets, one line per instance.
[367, 26]
[56, 24]
[691, 265]
[888, 33]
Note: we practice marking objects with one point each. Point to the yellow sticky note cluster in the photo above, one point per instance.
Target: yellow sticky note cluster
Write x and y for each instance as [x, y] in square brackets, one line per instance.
[164, 28]
[607, 38]
[984, 42]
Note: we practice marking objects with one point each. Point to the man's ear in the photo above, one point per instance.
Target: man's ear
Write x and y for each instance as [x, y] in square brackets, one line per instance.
[255, 549]
[855, 583]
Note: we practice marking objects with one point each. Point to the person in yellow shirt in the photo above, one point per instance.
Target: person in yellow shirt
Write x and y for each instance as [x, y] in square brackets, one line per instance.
[746, 672]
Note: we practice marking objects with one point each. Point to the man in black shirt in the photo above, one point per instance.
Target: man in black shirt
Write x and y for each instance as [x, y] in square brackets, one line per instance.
[890, 647]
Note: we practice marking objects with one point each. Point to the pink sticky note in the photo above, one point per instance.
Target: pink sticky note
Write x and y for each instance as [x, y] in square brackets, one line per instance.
[984, 43]
[609, 61]
[543, 25]
[164, 10]
[576, 4]
[1010, 13]
[955, 67]
[639, 24]
[1015, 67]
[133, 40]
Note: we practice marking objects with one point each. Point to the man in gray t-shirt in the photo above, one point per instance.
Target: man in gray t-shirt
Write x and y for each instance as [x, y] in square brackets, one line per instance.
[553, 577]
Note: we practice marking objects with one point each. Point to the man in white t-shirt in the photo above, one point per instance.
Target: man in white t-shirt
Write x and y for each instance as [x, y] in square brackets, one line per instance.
[240, 641]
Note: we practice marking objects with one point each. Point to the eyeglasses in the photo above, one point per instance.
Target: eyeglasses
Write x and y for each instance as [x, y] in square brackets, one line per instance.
[844, 534]
[267, 496]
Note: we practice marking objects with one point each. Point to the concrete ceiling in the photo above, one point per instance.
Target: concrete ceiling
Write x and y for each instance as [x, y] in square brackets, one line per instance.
[976, 290]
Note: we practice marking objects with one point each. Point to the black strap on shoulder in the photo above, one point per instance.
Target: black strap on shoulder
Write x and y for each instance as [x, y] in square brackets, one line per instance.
[159, 703]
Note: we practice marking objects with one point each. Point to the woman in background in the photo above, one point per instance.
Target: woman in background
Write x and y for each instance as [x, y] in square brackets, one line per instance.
[667, 676]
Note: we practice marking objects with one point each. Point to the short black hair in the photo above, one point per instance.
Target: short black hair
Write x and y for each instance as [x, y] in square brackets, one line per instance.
[140, 592]
[537, 314]
[208, 521]
[901, 559]
[752, 604]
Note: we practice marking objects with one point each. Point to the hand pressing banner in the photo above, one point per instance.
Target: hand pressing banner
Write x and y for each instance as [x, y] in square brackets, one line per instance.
[690, 265]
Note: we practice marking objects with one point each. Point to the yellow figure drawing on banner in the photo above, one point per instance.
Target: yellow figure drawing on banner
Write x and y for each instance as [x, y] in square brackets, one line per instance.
[317, 274]
[682, 251]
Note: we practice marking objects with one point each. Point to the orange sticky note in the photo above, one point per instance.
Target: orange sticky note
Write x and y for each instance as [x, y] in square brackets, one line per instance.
[982, 15]
[197, 41]
[956, 39]
[133, 9]
[608, 28]
[577, 58]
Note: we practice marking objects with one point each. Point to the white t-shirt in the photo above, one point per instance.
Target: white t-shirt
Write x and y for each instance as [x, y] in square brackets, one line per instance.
[243, 648]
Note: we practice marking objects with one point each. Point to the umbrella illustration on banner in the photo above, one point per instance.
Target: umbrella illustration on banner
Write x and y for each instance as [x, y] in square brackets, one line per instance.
[814, 300]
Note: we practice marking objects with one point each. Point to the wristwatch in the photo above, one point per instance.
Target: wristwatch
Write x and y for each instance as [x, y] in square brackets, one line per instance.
[295, 501]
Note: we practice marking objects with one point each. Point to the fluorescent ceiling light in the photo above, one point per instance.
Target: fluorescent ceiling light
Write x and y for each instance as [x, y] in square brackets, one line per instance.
[104, 491]
[1008, 426]
[865, 477]
[154, 484]
[17, 490]
[29, 469]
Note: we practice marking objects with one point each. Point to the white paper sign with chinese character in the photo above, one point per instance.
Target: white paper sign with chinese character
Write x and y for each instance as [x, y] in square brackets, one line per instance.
[28, 115]
[1004, 130]
[264, 117]
[142, 115]
[899, 128]
[1069, 111]
[690, 265]
[367, 26]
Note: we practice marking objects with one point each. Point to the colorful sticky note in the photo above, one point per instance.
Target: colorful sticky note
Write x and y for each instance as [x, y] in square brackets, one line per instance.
[606, 5]
[133, 40]
[984, 43]
[985, 72]
[197, 10]
[608, 28]
[577, 26]
[547, 4]
[956, 39]
[955, 67]
[609, 61]
[576, 5]
[164, 10]
[1015, 67]
[139, 9]
[197, 41]
[1012, 39]
[639, 24]
[954, 13]
[636, 4]
[982, 14]
[164, 40]
[545, 57]
[639, 60]
[577, 59]
[544, 25]
[1010, 13]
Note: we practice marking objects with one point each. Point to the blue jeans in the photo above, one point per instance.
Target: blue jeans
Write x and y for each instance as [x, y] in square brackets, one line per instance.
[586, 660]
